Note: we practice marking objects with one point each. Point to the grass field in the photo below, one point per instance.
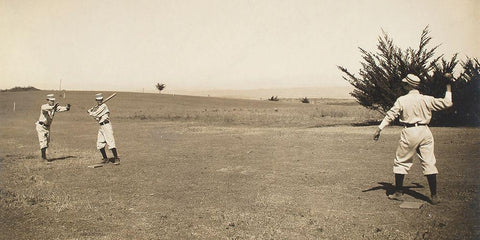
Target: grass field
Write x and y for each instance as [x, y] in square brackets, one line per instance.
[213, 168]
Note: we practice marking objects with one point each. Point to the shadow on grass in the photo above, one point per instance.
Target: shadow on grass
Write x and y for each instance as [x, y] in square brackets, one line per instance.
[367, 123]
[60, 158]
[390, 189]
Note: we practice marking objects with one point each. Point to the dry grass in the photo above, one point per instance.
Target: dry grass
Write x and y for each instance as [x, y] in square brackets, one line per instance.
[211, 168]
[206, 110]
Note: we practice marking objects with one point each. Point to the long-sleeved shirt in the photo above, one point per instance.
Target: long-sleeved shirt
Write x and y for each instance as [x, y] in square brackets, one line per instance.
[101, 114]
[416, 108]
[47, 113]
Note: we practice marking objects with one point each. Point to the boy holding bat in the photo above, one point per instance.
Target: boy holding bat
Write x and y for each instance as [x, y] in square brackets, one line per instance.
[105, 132]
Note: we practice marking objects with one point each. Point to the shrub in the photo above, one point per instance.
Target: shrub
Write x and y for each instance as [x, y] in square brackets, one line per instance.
[273, 98]
[160, 87]
[379, 83]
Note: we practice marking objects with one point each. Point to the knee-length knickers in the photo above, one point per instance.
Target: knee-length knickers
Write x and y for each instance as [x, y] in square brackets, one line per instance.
[105, 136]
[415, 140]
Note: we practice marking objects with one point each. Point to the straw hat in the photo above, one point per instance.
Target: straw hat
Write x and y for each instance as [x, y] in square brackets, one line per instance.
[412, 80]
[98, 96]
[50, 97]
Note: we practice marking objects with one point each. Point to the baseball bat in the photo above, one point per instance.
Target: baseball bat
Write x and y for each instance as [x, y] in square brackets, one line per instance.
[105, 100]
[110, 97]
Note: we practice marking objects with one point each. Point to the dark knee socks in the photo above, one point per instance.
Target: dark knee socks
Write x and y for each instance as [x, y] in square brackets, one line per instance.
[44, 153]
[432, 183]
[399, 182]
[104, 154]
[114, 151]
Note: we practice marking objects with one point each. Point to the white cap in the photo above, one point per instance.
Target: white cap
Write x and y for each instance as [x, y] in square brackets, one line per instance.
[413, 80]
[98, 96]
[50, 97]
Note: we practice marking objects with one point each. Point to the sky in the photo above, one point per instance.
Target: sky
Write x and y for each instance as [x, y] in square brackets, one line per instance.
[130, 45]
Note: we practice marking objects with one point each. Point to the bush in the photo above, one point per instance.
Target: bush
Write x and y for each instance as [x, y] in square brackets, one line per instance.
[466, 95]
[379, 83]
[160, 87]
[273, 98]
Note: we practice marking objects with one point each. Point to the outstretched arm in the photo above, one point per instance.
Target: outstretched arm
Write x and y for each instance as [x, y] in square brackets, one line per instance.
[54, 109]
[63, 108]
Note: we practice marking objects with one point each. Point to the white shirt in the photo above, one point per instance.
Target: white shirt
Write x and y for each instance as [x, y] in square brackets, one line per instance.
[416, 108]
[101, 114]
[47, 113]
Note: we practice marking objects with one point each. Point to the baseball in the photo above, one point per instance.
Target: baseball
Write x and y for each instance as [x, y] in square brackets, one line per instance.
[448, 75]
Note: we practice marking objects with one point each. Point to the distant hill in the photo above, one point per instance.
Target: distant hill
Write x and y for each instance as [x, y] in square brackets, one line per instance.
[282, 93]
[20, 89]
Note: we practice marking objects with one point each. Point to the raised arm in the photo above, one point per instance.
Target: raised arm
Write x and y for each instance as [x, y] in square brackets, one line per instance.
[437, 104]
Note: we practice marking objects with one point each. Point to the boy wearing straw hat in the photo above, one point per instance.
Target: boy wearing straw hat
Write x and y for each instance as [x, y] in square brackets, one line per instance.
[101, 113]
[47, 112]
[414, 111]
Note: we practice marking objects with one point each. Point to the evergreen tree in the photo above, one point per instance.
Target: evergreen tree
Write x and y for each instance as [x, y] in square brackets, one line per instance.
[160, 87]
[466, 94]
[380, 80]
[379, 84]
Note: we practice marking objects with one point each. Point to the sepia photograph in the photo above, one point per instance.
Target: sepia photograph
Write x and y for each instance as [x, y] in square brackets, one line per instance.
[239, 119]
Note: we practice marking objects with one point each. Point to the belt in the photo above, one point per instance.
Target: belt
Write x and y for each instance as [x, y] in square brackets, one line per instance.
[104, 122]
[408, 125]
[43, 124]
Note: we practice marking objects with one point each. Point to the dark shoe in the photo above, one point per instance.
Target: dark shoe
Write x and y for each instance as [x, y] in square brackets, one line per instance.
[104, 161]
[398, 196]
[116, 161]
[434, 199]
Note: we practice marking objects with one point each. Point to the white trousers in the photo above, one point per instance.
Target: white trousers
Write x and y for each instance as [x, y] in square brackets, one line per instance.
[415, 140]
[43, 135]
[105, 136]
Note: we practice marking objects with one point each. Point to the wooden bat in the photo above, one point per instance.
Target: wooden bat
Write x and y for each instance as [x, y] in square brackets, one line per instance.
[110, 97]
[104, 101]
